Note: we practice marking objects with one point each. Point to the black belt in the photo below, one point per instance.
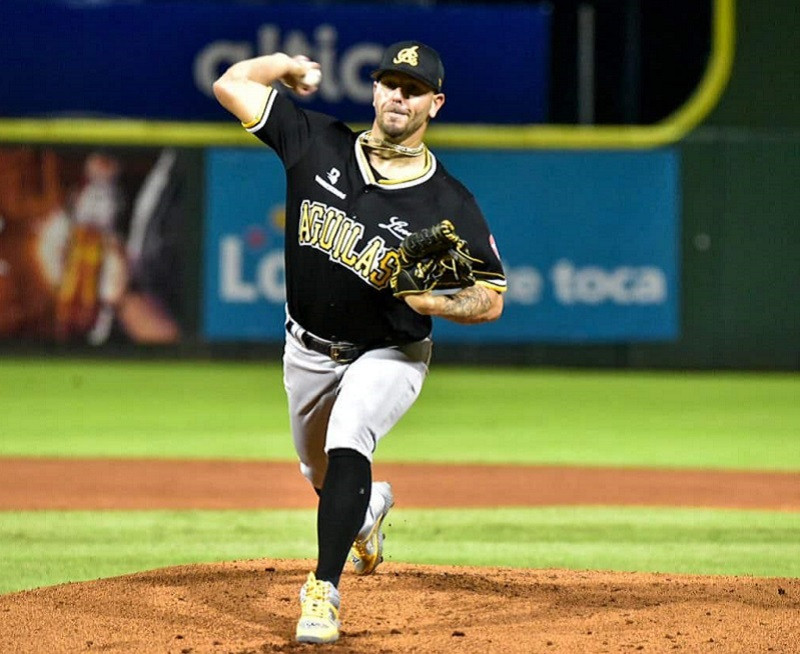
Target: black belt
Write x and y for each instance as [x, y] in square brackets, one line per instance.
[339, 352]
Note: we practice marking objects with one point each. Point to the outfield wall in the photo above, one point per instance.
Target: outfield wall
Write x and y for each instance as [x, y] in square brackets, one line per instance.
[730, 299]
[741, 234]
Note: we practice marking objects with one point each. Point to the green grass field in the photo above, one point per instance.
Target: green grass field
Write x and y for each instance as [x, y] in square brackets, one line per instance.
[237, 411]
[220, 410]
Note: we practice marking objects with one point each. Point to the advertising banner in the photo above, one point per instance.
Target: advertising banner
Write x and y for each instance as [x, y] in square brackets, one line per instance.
[159, 60]
[90, 245]
[589, 241]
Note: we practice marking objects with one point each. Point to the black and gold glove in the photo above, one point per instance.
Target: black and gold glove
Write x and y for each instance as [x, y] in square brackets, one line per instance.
[433, 258]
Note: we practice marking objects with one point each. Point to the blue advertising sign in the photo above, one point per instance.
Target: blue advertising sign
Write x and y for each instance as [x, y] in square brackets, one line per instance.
[244, 292]
[159, 60]
[589, 241]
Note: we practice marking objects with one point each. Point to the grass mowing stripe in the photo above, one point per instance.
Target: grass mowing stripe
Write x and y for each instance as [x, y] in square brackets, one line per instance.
[628, 418]
[144, 409]
[238, 411]
[699, 541]
[45, 548]
[41, 548]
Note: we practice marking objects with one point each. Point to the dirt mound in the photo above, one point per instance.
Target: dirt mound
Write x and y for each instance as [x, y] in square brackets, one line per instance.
[252, 606]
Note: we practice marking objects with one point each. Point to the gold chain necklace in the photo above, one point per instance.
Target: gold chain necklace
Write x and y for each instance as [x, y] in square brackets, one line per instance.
[387, 146]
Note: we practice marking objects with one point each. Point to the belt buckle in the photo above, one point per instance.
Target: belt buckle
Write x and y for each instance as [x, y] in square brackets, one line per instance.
[337, 352]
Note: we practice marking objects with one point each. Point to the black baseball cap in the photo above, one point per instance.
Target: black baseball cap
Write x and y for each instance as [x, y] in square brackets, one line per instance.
[415, 59]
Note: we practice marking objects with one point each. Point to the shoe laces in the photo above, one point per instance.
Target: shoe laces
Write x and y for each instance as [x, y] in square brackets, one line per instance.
[317, 595]
[319, 591]
[362, 547]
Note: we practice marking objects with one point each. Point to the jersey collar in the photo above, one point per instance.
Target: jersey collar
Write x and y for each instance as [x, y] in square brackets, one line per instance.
[392, 184]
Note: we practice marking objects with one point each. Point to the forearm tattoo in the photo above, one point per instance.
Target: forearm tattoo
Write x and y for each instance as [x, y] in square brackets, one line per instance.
[468, 305]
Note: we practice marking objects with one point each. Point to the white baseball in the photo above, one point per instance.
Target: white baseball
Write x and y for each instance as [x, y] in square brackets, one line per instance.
[312, 77]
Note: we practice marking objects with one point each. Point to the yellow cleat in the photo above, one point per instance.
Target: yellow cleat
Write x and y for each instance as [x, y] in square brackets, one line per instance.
[367, 550]
[319, 620]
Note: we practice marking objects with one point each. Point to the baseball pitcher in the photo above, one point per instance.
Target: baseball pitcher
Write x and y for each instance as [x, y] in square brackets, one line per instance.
[379, 238]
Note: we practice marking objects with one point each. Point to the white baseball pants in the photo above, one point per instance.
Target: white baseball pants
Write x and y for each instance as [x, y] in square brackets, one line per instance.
[347, 405]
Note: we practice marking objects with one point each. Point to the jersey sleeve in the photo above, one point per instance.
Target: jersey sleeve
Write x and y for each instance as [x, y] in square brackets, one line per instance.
[286, 128]
[471, 225]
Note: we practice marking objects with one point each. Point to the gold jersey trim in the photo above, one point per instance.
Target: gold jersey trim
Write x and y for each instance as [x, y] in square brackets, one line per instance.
[366, 170]
[259, 120]
[500, 284]
[494, 287]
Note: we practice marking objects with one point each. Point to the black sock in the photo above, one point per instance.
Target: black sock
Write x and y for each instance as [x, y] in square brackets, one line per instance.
[343, 504]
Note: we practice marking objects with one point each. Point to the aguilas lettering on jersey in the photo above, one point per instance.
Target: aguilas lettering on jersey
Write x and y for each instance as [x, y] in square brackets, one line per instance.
[333, 232]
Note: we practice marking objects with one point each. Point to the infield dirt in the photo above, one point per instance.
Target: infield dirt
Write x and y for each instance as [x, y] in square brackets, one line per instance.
[251, 606]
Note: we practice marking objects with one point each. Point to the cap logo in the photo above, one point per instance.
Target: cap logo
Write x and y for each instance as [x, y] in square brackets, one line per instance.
[407, 56]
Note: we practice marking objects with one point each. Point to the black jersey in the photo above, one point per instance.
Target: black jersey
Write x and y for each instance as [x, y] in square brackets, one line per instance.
[344, 224]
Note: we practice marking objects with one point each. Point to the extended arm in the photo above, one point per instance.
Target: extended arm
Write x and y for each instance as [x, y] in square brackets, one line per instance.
[471, 305]
[244, 87]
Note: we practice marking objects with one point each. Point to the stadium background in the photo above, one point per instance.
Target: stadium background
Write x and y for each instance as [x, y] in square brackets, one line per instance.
[725, 219]
[138, 384]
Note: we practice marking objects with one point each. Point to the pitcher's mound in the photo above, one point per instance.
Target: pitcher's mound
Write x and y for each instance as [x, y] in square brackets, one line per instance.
[252, 606]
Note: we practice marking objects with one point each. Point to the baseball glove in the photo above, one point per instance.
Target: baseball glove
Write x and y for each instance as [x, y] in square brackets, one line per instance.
[433, 258]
